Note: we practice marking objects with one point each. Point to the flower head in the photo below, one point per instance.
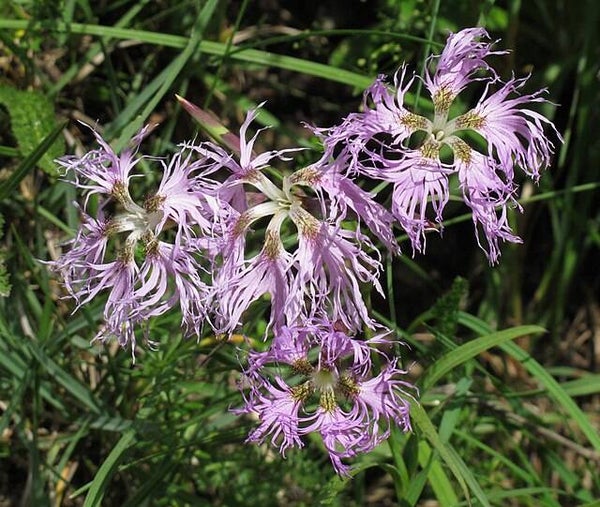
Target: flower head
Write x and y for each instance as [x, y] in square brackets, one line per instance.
[102, 171]
[419, 155]
[324, 270]
[460, 62]
[147, 257]
[332, 391]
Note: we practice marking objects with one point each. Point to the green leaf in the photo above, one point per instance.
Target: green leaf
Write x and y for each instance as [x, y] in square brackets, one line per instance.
[4, 282]
[587, 385]
[471, 349]
[77, 389]
[152, 485]
[32, 119]
[161, 84]
[539, 372]
[209, 47]
[438, 479]
[10, 184]
[13, 363]
[556, 391]
[419, 480]
[332, 489]
[106, 470]
[457, 466]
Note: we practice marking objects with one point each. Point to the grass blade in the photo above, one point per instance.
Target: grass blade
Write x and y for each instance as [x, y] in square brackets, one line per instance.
[106, 470]
[471, 349]
[73, 386]
[209, 47]
[438, 479]
[550, 384]
[458, 467]
[154, 92]
[8, 186]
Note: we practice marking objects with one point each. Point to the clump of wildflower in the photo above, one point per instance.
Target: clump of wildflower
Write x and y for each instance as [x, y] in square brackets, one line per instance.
[192, 244]
[317, 378]
[379, 142]
[145, 256]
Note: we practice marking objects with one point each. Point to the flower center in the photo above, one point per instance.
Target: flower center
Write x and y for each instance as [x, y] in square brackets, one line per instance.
[438, 135]
[324, 380]
[140, 224]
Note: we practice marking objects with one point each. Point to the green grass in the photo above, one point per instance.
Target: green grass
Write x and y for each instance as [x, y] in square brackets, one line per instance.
[505, 358]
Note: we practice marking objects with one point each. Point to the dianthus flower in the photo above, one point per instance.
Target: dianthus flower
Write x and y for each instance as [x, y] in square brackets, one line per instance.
[324, 269]
[418, 155]
[146, 257]
[317, 378]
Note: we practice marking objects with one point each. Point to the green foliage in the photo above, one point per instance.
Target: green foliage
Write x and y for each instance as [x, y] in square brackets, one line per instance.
[4, 278]
[32, 119]
[8, 186]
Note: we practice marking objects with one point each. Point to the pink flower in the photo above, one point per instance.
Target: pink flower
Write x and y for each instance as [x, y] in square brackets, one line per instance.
[332, 391]
[332, 266]
[515, 134]
[462, 58]
[146, 267]
[346, 200]
[384, 398]
[343, 436]
[102, 171]
[324, 270]
[186, 196]
[269, 272]
[389, 114]
[279, 416]
[488, 196]
[379, 143]
[419, 179]
[120, 310]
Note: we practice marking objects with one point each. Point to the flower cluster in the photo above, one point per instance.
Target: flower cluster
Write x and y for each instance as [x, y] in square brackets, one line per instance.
[148, 258]
[316, 378]
[419, 155]
[230, 226]
[322, 271]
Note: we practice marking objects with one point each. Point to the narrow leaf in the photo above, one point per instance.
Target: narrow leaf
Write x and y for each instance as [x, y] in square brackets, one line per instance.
[539, 372]
[209, 47]
[457, 466]
[106, 470]
[78, 390]
[471, 349]
[439, 481]
[10, 184]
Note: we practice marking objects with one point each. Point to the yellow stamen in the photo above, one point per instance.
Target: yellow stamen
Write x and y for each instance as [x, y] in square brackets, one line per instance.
[307, 225]
[413, 121]
[121, 193]
[442, 100]
[348, 386]
[242, 223]
[305, 176]
[302, 392]
[431, 149]
[273, 245]
[302, 366]
[152, 204]
[327, 401]
[470, 120]
[462, 151]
